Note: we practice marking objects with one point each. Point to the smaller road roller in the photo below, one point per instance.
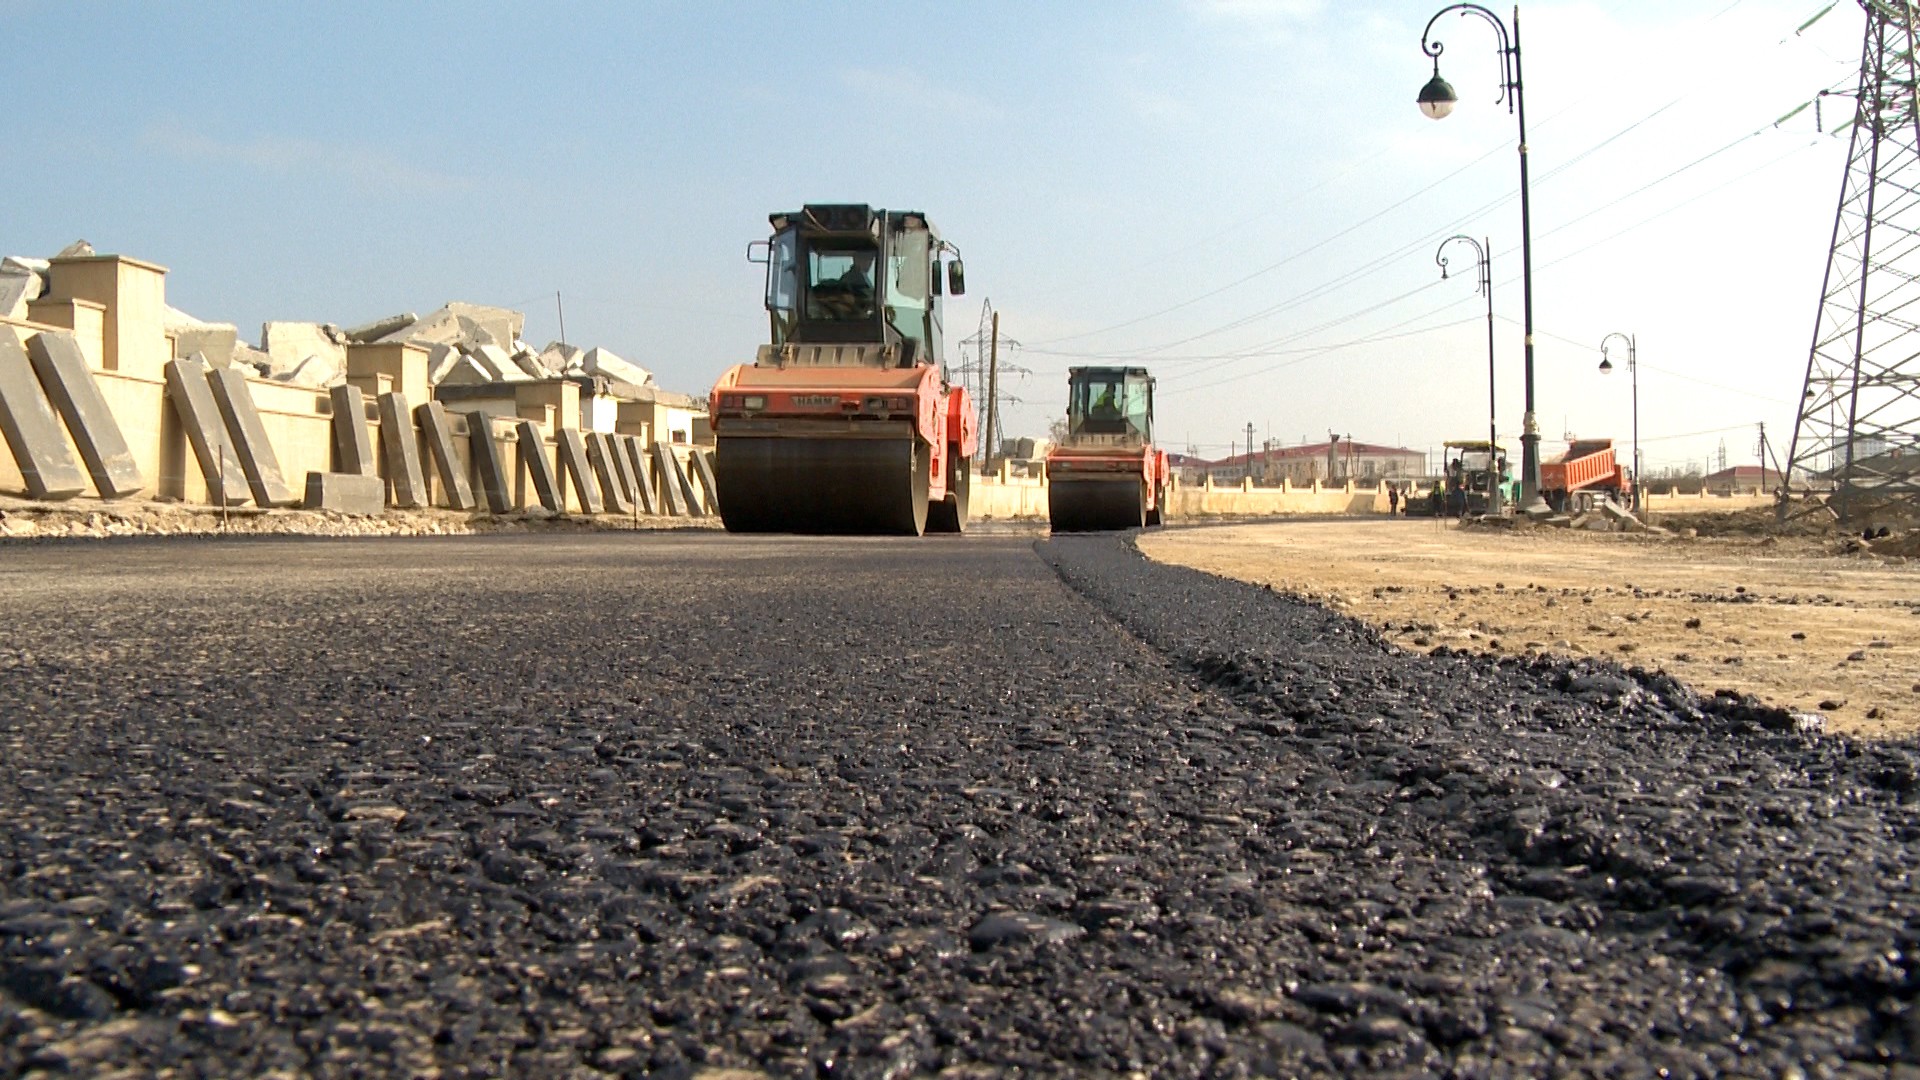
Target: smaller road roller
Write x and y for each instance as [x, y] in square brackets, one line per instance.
[1106, 473]
[845, 422]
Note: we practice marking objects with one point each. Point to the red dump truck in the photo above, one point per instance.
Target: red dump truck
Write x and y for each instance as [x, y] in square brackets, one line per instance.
[1575, 480]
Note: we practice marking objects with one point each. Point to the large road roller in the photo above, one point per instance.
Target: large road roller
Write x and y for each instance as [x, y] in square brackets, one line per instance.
[1106, 473]
[845, 422]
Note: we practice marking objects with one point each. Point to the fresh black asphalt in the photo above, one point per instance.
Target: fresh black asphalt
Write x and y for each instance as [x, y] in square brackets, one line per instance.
[676, 803]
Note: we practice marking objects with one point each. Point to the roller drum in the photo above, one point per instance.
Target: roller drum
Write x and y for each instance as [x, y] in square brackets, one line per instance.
[1096, 505]
[821, 485]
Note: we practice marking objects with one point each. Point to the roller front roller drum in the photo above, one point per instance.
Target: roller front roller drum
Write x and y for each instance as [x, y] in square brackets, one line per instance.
[1096, 505]
[769, 484]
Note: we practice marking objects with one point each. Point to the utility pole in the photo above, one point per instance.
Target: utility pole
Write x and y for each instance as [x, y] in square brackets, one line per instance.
[1249, 450]
[1763, 455]
[562, 310]
[993, 392]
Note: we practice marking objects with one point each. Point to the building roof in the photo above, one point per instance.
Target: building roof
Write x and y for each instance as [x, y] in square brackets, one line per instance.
[1310, 452]
[1742, 474]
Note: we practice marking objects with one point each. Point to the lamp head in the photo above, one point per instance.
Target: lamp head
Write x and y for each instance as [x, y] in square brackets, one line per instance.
[1437, 97]
[1606, 365]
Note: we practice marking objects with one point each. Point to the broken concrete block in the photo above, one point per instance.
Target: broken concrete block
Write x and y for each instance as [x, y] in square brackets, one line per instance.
[250, 361]
[17, 289]
[32, 432]
[642, 478]
[71, 388]
[463, 371]
[352, 442]
[497, 364]
[346, 493]
[464, 324]
[437, 432]
[206, 431]
[379, 328]
[676, 493]
[533, 458]
[601, 362]
[291, 343]
[702, 462]
[318, 372]
[79, 249]
[575, 470]
[249, 438]
[400, 452]
[616, 490]
[215, 341]
[558, 356]
[440, 360]
[530, 365]
[486, 462]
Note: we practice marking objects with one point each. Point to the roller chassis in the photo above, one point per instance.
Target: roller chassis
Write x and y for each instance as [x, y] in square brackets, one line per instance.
[1094, 487]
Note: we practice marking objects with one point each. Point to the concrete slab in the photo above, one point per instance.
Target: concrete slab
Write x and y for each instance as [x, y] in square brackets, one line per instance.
[31, 429]
[533, 458]
[702, 461]
[574, 469]
[601, 362]
[249, 438]
[352, 442]
[346, 493]
[642, 478]
[677, 497]
[400, 452]
[206, 431]
[616, 491]
[486, 462]
[71, 388]
[437, 432]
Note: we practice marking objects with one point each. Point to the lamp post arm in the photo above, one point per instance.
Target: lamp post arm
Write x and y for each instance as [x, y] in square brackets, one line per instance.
[1509, 47]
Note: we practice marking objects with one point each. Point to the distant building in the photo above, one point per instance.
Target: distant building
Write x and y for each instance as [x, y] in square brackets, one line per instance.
[1741, 478]
[1333, 461]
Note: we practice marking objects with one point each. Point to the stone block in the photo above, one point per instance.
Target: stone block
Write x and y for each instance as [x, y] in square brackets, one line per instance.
[437, 433]
[676, 493]
[352, 442]
[291, 343]
[575, 470]
[346, 493]
[533, 458]
[75, 395]
[379, 328]
[17, 290]
[642, 479]
[206, 431]
[400, 452]
[31, 429]
[318, 372]
[601, 362]
[498, 365]
[702, 462]
[249, 438]
[486, 462]
[616, 491]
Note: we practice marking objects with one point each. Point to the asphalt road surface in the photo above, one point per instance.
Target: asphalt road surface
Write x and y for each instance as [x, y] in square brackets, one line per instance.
[677, 803]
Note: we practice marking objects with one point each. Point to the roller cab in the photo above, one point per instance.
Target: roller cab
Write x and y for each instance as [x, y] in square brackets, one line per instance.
[845, 422]
[1107, 473]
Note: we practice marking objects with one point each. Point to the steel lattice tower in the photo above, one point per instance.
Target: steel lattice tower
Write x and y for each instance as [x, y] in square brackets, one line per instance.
[1858, 433]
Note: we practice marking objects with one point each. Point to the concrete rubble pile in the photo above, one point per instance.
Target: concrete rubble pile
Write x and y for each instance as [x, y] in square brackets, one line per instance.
[467, 343]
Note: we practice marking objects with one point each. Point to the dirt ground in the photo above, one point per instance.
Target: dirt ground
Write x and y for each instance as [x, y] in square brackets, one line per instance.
[1812, 622]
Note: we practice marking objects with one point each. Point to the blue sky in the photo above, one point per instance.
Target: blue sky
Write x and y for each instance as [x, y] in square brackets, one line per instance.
[1239, 194]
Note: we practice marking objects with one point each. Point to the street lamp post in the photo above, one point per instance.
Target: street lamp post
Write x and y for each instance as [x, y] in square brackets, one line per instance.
[1437, 100]
[1494, 493]
[1633, 373]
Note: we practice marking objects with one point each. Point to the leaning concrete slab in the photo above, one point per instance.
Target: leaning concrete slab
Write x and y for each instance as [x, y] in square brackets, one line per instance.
[32, 431]
[70, 386]
[533, 457]
[642, 479]
[248, 437]
[676, 492]
[486, 461]
[702, 461]
[346, 493]
[400, 452]
[437, 432]
[615, 492]
[622, 466]
[352, 442]
[574, 469]
[206, 432]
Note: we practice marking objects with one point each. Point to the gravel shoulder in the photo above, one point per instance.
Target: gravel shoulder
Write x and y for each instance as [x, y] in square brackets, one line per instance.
[1782, 618]
[678, 803]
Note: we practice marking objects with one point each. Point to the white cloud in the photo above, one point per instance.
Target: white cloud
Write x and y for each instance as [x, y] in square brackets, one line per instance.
[364, 167]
